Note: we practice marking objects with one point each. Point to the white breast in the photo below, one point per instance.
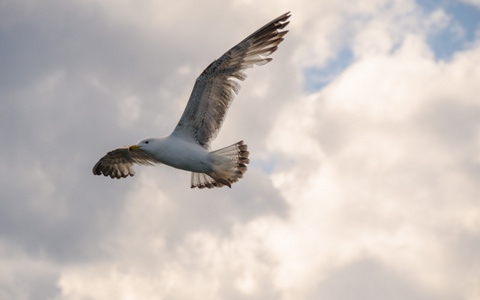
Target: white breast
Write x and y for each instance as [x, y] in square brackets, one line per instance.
[180, 154]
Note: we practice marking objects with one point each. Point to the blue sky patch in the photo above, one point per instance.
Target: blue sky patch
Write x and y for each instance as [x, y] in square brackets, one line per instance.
[447, 42]
[318, 77]
[459, 34]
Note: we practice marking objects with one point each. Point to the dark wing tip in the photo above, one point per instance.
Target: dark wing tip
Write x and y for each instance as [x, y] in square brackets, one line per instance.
[114, 171]
[283, 18]
[116, 164]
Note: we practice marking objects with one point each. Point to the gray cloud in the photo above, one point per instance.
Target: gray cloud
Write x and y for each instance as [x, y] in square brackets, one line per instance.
[370, 279]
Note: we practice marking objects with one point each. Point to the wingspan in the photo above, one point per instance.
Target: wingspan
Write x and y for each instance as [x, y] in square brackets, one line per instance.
[118, 163]
[216, 87]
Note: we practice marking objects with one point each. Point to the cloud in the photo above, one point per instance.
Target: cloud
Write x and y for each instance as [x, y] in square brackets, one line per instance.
[365, 185]
[369, 279]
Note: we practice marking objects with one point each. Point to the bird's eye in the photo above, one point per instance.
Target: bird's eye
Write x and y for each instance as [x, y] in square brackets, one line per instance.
[146, 142]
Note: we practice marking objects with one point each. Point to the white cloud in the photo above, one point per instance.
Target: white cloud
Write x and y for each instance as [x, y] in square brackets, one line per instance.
[474, 2]
[395, 188]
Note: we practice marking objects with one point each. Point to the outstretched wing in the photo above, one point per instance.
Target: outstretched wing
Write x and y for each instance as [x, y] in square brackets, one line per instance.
[216, 87]
[118, 163]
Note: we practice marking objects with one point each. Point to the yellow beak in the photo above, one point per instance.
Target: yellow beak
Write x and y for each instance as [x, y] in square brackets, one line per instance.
[133, 147]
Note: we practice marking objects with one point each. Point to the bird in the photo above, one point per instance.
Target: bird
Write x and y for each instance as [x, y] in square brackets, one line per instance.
[188, 147]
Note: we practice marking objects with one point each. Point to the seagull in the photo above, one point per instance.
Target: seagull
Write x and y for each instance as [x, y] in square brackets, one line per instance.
[188, 146]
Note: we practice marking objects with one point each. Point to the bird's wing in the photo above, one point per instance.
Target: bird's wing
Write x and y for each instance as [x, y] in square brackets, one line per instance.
[216, 87]
[118, 163]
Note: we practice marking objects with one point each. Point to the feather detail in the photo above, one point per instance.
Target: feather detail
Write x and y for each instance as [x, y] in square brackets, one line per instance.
[118, 163]
[216, 87]
[229, 167]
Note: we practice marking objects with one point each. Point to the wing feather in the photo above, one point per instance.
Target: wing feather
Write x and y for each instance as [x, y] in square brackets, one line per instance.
[119, 163]
[216, 87]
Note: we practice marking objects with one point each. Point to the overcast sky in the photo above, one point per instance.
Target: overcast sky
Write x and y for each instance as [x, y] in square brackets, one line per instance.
[364, 139]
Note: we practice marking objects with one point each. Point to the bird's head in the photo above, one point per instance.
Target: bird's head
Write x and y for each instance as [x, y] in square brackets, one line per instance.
[143, 144]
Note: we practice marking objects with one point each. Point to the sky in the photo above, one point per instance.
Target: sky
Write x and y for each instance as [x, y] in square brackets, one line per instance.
[364, 139]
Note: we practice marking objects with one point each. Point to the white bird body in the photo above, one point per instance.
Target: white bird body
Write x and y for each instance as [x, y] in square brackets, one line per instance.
[179, 153]
[188, 147]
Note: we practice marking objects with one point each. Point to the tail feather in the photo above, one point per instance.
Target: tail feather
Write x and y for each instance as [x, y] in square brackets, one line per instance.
[202, 180]
[230, 163]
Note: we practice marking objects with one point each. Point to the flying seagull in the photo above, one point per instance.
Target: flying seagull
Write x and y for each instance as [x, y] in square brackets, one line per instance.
[188, 146]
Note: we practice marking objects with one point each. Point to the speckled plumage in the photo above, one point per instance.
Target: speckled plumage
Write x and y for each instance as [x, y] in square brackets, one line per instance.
[188, 146]
[216, 87]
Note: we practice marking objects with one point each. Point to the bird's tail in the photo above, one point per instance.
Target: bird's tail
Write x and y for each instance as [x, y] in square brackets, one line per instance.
[229, 165]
